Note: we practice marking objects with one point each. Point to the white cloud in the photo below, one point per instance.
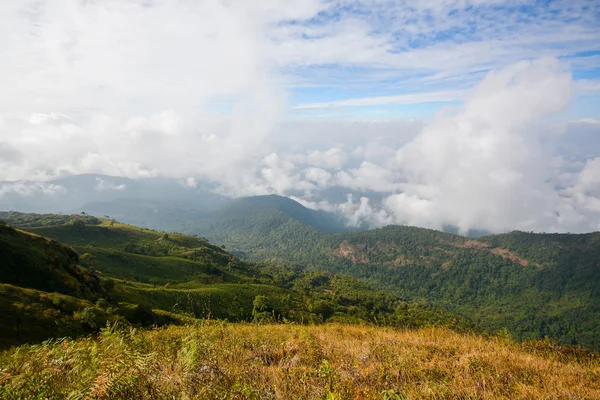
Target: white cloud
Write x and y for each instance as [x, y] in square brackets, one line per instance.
[487, 166]
[190, 182]
[369, 176]
[102, 185]
[334, 158]
[319, 176]
[29, 189]
[198, 90]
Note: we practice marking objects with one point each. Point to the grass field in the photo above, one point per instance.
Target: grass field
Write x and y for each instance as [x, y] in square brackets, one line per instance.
[331, 361]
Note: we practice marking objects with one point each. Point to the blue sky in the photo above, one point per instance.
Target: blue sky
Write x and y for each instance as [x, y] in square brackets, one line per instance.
[436, 46]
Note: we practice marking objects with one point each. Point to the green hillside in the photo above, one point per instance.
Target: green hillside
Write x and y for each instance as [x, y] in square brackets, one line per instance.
[535, 285]
[33, 261]
[45, 292]
[147, 277]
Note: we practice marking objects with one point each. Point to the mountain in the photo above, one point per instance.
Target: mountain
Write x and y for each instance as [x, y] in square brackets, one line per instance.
[226, 221]
[114, 272]
[273, 207]
[71, 193]
[535, 285]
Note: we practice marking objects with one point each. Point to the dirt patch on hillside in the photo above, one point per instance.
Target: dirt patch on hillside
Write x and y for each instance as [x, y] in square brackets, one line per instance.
[403, 261]
[504, 253]
[352, 253]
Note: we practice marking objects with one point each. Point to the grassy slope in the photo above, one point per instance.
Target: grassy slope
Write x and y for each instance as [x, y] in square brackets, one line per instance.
[37, 262]
[212, 284]
[232, 361]
[45, 293]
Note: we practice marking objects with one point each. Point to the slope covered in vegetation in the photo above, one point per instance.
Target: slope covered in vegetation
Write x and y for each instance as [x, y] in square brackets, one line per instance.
[45, 293]
[37, 262]
[148, 277]
[232, 361]
[535, 285]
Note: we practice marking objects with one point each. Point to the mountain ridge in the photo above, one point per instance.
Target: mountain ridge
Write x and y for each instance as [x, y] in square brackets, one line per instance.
[146, 277]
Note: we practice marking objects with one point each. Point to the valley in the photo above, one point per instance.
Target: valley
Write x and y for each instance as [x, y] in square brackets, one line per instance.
[269, 298]
[120, 272]
[535, 285]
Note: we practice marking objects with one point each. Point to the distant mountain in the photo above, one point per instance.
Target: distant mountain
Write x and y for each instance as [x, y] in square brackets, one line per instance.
[535, 285]
[160, 215]
[166, 203]
[218, 221]
[270, 211]
[72, 193]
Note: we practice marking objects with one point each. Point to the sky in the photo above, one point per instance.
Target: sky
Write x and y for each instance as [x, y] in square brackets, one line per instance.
[476, 114]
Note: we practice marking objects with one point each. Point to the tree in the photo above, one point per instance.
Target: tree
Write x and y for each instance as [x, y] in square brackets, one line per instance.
[260, 308]
[109, 285]
[92, 318]
[79, 224]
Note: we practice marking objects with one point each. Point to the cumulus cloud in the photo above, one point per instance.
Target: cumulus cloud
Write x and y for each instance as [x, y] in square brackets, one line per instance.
[101, 185]
[199, 91]
[585, 192]
[317, 175]
[489, 164]
[369, 176]
[334, 158]
[494, 163]
[29, 189]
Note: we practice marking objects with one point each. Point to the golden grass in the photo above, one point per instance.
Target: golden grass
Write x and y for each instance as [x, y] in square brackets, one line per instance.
[239, 361]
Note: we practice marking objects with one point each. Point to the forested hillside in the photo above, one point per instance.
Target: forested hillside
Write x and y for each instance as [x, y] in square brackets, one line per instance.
[119, 272]
[534, 285]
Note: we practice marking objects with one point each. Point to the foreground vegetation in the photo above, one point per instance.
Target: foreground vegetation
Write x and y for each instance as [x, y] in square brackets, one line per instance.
[331, 361]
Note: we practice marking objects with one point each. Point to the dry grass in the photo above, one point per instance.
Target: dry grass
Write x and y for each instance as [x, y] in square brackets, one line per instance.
[239, 361]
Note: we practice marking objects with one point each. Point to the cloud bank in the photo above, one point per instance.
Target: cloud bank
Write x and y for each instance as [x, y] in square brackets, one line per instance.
[265, 97]
[494, 163]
